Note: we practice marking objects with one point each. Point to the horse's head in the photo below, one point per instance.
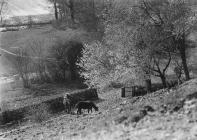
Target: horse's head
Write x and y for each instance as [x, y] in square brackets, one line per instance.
[96, 108]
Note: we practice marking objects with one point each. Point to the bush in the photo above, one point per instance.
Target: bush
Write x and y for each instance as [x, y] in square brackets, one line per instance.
[39, 113]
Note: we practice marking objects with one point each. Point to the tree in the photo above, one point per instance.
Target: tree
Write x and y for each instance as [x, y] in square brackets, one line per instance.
[81, 13]
[3, 8]
[54, 2]
[21, 64]
[157, 68]
[30, 22]
[175, 19]
[55, 9]
[116, 59]
[61, 6]
[151, 31]
[74, 54]
[102, 64]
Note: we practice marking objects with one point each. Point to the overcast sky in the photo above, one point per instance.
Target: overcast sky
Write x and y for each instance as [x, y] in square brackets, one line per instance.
[27, 7]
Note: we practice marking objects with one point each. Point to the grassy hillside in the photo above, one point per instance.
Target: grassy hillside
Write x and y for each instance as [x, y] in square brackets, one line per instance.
[117, 118]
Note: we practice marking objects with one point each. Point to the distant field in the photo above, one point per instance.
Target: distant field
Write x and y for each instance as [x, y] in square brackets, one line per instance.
[11, 39]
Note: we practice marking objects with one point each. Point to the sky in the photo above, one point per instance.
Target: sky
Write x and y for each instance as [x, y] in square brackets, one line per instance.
[28, 7]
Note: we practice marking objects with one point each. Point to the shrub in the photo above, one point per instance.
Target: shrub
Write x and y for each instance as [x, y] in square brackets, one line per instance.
[39, 113]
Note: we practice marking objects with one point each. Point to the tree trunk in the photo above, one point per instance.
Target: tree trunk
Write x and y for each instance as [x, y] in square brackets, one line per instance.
[163, 79]
[73, 73]
[71, 6]
[148, 85]
[123, 92]
[25, 81]
[184, 59]
[56, 12]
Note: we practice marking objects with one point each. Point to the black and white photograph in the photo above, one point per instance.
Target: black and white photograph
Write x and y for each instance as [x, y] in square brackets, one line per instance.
[98, 69]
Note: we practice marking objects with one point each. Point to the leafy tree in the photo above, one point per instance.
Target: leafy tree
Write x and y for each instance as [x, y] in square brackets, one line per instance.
[103, 65]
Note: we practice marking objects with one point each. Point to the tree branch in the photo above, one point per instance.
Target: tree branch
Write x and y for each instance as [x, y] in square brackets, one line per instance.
[145, 8]
[169, 60]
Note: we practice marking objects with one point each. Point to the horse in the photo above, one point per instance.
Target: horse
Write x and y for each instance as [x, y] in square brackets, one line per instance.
[85, 105]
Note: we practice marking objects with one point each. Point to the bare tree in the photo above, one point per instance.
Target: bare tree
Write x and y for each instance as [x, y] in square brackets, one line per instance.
[22, 64]
[60, 7]
[3, 8]
[159, 67]
[55, 8]
[176, 20]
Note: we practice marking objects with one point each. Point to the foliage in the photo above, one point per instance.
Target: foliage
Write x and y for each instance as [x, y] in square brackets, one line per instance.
[115, 59]
[103, 65]
[39, 114]
[136, 40]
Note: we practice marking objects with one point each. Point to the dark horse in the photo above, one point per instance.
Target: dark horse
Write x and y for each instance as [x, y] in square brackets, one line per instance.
[85, 105]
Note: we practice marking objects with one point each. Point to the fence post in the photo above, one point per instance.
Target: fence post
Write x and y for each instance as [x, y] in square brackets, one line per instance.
[123, 92]
[133, 91]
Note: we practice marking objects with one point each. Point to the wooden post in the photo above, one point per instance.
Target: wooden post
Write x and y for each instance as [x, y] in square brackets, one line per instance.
[123, 92]
[133, 91]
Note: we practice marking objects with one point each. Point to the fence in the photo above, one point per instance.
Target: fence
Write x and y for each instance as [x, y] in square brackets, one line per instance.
[132, 91]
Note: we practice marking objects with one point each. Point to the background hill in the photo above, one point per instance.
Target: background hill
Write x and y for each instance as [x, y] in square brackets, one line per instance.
[28, 7]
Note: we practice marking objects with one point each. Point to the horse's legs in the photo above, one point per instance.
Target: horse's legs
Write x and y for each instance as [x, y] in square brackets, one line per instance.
[69, 109]
[79, 111]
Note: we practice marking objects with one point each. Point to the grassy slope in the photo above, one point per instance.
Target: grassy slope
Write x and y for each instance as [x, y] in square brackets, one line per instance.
[100, 125]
